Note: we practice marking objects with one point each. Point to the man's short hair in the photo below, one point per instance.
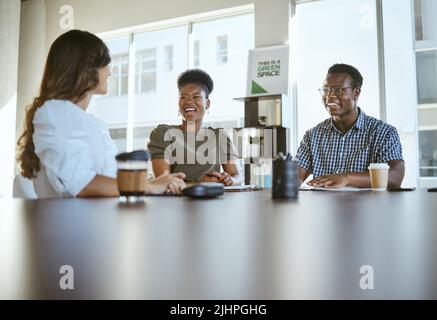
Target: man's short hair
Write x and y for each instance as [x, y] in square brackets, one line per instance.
[196, 76]
[353, 72]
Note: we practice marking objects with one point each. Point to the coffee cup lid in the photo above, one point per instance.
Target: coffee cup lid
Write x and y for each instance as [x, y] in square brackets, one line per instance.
[379, 166]
[137, 155]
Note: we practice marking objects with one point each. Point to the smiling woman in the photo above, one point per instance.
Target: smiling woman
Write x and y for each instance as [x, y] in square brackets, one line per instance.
[189, 148]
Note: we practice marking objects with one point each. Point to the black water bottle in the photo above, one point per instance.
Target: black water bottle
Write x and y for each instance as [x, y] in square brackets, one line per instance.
[285, 180]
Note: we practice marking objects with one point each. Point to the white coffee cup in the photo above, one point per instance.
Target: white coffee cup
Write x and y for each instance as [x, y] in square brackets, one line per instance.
[379, 176]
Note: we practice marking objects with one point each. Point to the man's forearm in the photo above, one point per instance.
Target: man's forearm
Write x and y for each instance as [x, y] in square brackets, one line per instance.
[396, 173]
[358, 179]
[362, 179]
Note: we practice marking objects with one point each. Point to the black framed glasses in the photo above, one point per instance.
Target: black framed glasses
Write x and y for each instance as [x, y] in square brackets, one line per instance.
[335, 90]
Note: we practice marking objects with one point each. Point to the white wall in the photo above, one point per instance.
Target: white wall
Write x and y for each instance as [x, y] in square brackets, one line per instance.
[9, 33]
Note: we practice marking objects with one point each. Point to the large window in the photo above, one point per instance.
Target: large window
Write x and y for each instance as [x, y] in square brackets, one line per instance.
[219, 46]
[425, 12]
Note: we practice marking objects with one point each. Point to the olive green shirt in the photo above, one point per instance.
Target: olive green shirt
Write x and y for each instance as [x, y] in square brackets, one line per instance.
[191, 153]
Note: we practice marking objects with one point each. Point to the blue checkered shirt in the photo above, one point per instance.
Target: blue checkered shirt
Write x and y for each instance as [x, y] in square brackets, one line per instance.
[324, 150]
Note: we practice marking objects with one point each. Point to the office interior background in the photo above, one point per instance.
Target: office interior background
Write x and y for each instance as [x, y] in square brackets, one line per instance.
[392, 42]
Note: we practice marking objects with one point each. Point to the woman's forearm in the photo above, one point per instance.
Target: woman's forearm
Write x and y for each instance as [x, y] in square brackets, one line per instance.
[100, 186]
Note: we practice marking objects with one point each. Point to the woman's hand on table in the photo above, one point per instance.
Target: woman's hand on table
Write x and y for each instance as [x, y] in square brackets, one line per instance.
[168, 183]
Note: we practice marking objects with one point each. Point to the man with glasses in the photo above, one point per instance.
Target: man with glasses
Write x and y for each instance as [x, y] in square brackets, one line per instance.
[338, 151]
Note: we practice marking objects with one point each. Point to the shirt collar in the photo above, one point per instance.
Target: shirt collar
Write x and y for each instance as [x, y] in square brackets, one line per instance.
[359, 123]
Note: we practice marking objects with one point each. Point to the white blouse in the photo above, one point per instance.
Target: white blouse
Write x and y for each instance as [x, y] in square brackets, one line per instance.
[72, 146]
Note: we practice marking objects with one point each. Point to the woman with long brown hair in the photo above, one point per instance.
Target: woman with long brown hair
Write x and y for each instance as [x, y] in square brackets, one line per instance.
[63, 149]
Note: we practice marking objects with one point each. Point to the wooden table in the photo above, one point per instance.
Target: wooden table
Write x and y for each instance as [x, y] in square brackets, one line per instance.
[243, 245]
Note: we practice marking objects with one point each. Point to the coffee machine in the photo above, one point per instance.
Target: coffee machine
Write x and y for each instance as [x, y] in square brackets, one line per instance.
[266, 132]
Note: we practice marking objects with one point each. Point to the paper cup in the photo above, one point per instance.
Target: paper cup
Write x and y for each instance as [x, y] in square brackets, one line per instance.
[379, 176]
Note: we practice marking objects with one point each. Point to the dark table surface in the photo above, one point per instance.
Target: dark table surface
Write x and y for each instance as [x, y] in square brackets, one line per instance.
[243, 245]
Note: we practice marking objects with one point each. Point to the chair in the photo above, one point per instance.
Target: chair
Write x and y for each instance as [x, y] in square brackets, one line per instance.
[23, 188]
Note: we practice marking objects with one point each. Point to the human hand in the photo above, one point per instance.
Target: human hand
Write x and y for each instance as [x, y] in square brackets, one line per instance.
[333, 181]
[226, 179]
[177, 183]
[211, 176]
[168, 183]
